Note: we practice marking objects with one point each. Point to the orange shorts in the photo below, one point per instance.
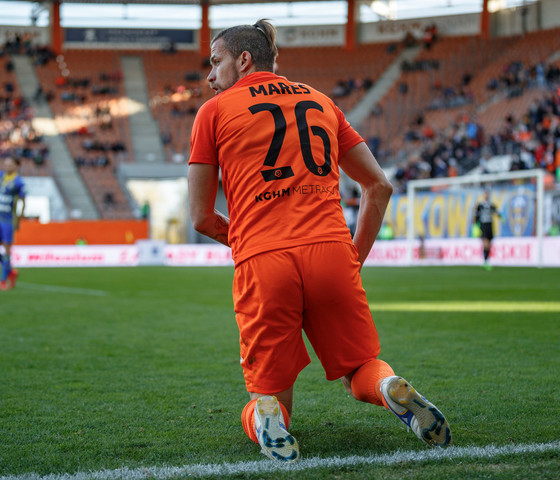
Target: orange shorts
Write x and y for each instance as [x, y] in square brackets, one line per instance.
[316, 288]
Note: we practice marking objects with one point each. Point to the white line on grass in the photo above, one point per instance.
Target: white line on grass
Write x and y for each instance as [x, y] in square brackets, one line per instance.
[268, 466]
[472, 306]
[59, 289]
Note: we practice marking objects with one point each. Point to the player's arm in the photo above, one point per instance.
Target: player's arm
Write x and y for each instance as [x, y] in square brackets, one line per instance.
[18, 216]
[360, 165]
[476, 215]
[203, 188]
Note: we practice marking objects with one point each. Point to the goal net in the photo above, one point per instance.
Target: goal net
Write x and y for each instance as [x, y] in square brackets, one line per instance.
[440, 218]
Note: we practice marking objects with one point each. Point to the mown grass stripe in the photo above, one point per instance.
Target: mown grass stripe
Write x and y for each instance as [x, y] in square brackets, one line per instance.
[267, 466]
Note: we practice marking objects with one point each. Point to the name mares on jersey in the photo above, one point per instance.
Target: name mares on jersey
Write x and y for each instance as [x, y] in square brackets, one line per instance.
[277, 144]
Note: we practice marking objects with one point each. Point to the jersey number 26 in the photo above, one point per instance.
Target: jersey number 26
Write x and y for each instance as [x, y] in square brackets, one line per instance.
[300, 110]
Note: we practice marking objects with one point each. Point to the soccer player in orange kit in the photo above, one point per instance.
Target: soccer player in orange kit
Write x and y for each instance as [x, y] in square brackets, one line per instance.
[279, 145]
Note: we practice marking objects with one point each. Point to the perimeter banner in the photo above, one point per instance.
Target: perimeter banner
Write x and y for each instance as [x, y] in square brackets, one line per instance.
[109, 37]
[450, 214]
[74, 256]
[506, 251]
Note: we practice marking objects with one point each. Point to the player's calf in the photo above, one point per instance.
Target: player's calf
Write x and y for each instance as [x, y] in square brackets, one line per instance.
[12, 277]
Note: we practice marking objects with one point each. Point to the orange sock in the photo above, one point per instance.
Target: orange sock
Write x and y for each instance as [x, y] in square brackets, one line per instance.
[248, 419]
[366, 382]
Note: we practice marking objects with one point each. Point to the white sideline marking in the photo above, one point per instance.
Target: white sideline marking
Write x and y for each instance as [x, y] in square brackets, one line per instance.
[59, 289]
[471, 306]
[268, 466]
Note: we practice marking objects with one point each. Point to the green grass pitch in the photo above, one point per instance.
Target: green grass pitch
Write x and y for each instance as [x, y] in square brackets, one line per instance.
[139, 367]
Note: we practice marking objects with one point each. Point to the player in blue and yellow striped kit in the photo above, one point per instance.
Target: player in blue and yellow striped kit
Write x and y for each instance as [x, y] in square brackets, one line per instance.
[12, 188]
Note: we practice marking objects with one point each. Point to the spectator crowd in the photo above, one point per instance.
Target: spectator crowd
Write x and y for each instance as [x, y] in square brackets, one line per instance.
[18, 137]
[530, 139]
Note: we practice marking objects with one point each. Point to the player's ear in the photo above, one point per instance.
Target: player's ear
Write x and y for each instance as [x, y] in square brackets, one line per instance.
[245, 61]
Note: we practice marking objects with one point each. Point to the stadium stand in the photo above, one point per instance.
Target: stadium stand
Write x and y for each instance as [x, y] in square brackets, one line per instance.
[452, 79]
[345, 76]
[459, 85]
[450, 102]
[177, 87]
[84, 91]
[17, 134]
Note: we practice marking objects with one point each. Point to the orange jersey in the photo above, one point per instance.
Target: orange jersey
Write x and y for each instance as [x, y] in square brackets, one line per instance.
[277, 144]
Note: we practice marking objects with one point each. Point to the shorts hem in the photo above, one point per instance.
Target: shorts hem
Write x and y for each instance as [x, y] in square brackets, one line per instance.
[270, 390]
[337, 375]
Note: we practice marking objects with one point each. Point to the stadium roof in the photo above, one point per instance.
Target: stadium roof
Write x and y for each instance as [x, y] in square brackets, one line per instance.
[141, 13]
[172, 2]
[398, 8]
[442, 3]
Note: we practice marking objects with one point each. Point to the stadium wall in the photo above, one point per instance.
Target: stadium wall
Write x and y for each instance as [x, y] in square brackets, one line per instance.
[101, 232]
[549, 14]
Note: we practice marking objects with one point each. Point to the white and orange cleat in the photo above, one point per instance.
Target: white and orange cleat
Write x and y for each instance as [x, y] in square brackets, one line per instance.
[275, 441]
[417, 413]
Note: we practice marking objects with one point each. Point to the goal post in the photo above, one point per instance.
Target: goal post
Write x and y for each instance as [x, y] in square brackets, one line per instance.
[474, 181]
